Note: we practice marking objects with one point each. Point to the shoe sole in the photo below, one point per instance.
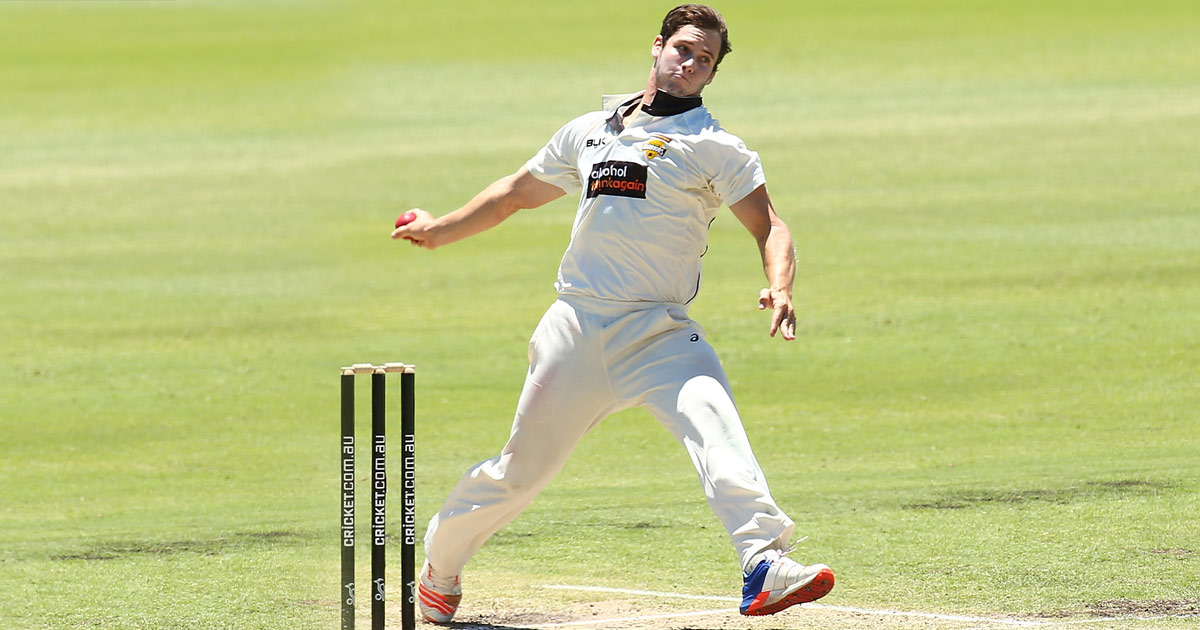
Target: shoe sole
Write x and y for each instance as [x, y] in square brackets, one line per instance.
[816, 588]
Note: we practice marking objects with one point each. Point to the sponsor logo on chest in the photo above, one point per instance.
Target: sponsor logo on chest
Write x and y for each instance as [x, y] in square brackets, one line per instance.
[655, 147]
[619, 179]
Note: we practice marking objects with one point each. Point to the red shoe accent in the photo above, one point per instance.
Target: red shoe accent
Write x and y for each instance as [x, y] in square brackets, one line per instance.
[445, 604]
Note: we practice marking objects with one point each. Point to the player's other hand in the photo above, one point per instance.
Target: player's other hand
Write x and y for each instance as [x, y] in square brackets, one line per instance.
[783, 315]
[417, 230]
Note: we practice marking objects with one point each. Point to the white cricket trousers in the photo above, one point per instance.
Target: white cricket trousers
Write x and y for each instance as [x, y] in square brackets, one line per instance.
[588, 359]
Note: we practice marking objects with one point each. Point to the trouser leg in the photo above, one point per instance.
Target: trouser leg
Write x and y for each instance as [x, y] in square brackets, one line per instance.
[690, 395]
[565, 395]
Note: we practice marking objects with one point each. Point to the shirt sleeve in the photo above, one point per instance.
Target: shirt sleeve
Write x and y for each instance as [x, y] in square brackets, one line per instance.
[556, 162]
[739, 173]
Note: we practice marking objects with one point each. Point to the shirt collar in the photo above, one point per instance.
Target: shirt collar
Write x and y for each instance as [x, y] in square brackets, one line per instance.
[663, 105]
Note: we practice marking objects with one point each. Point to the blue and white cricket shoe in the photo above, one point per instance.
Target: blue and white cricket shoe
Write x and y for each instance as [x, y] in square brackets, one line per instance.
[779, 582]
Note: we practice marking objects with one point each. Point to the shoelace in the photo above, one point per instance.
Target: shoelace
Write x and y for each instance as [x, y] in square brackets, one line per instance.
[779, 553]
[792, 547]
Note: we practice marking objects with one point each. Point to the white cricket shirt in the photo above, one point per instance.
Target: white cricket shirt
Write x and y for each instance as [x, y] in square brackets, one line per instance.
[649, 192]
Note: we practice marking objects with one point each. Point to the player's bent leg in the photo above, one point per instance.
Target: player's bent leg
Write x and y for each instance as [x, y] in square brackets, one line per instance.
[563, 397]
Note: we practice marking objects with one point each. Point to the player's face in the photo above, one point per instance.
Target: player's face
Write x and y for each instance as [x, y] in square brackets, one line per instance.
[686, 62]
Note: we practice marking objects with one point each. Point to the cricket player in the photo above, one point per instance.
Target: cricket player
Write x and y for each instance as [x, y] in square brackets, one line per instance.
[652, 170]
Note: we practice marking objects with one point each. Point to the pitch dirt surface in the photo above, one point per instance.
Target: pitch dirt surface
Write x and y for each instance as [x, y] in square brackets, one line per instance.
[628, 614]
[568, 606]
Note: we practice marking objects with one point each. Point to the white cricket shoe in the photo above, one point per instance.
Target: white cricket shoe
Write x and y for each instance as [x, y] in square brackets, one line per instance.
[779, 582]
[438, 596]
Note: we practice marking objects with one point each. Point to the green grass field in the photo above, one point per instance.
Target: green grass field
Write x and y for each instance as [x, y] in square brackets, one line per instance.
[991, 408]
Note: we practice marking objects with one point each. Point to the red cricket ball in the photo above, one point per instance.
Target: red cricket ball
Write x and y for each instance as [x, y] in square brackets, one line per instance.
[405, 219]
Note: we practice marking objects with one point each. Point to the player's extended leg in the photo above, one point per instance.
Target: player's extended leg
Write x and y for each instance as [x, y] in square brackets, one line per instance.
[701, 414]
[565, 394]
[690, 395]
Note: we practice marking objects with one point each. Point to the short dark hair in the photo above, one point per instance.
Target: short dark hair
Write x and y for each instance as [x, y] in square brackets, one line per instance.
[700, 16]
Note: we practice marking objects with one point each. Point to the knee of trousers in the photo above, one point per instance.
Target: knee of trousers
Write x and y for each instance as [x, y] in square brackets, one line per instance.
[515, 477]
[729, 476]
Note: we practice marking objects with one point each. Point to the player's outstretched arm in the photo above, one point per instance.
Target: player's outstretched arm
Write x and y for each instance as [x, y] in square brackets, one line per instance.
[778, 252]
[492, 205]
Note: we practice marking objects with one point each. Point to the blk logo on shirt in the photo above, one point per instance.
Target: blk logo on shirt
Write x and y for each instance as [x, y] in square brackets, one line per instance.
[619, 179]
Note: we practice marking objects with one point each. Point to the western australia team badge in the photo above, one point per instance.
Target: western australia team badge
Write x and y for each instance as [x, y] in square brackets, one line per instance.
[656, 146]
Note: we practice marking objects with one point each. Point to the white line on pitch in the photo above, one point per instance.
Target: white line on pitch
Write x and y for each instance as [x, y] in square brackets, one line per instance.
[626, 591]
[860, 611]
[597, 622]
